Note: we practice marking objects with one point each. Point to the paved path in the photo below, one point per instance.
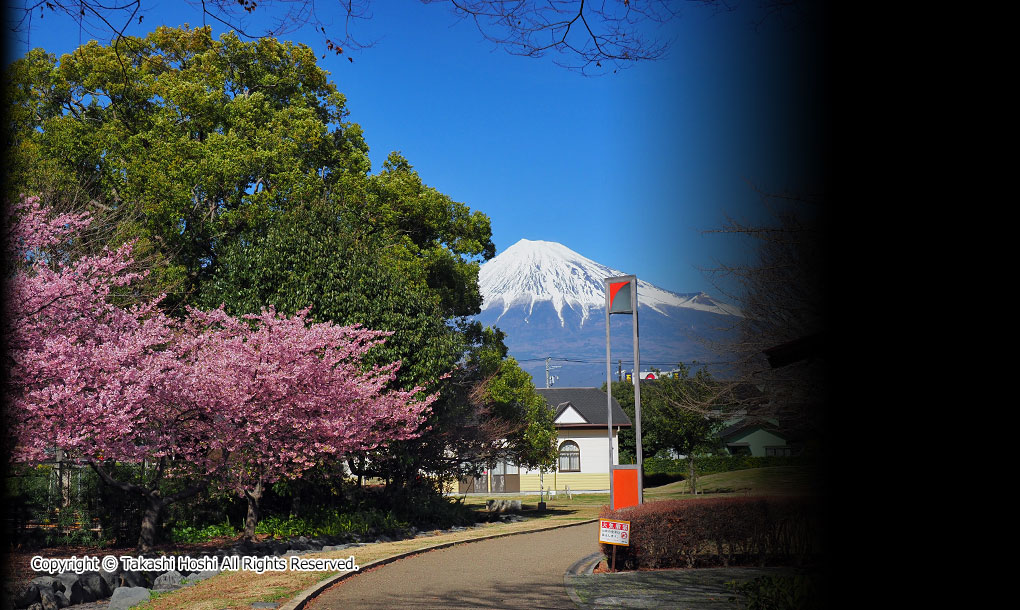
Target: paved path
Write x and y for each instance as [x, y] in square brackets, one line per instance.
[523, 571]
[702, 589]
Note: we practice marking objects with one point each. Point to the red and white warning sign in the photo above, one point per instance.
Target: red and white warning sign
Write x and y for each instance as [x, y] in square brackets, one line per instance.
[614, 532]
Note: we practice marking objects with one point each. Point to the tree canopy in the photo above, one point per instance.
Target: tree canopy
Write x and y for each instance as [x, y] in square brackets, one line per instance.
[231, 166]
[202, 137]
[680, 412]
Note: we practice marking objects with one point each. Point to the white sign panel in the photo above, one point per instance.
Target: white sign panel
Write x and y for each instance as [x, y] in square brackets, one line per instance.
[614, 532]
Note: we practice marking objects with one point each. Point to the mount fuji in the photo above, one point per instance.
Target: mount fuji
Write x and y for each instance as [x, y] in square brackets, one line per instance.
[550, 301]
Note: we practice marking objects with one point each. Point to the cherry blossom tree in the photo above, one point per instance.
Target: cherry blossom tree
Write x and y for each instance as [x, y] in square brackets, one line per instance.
[289, 393]
[80, 365]
[86, 377]
[256, 398]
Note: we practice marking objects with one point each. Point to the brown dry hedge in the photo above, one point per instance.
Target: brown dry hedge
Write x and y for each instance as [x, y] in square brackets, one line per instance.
[712, 532]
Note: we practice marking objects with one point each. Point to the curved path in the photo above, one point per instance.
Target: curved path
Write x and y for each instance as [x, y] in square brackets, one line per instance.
[522, 571]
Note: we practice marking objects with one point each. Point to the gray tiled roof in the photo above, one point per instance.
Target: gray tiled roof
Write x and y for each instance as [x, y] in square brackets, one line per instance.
[589, 402]
[749, 422]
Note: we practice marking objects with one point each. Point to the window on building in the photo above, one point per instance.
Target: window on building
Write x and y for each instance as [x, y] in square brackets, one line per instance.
[780, 451]
[570, 457]
[739, 449]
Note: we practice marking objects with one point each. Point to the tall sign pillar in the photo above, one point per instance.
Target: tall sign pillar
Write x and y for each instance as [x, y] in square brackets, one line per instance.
[622, 298]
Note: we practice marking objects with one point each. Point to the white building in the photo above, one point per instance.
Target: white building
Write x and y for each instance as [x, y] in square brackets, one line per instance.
[583, 445]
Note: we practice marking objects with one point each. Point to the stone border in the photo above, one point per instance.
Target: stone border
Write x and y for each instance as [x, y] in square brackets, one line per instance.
[585, 565]
[298, 602]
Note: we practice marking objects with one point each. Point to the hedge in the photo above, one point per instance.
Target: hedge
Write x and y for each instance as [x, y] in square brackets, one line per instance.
[737, 531]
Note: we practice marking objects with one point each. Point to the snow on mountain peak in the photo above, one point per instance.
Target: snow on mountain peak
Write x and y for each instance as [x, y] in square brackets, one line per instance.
[531, 271]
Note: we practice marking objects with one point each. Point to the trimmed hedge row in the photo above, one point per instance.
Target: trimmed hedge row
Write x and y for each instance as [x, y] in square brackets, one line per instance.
[716, 532]
[711, 464]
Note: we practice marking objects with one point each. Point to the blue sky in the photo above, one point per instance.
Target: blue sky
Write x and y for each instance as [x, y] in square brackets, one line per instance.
[628, 169]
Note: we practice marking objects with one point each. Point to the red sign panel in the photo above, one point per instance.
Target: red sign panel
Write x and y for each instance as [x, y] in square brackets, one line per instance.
[625, 487]
[619, 298]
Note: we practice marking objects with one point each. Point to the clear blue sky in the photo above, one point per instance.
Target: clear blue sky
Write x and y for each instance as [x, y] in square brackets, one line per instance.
[628, 169]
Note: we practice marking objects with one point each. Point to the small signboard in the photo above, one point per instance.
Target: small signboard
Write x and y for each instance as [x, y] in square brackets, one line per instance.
[614, 532]
[619, 295]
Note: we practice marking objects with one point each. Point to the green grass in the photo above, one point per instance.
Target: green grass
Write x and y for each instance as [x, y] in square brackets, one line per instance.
[776, 480]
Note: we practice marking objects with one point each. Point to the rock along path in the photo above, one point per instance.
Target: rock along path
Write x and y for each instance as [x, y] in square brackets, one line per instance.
[523, 571]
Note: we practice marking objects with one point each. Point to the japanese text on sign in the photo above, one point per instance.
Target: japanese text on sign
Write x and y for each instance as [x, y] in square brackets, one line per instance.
[614, 532]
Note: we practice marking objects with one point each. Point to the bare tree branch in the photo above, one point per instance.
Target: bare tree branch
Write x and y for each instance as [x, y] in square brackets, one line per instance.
[588, 36]
[782, 294]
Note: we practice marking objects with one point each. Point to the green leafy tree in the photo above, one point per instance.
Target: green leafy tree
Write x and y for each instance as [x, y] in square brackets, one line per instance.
[680, 413]
[444, 239]
[313, 255]
[200, 138]
[510, 395]
[623, 392]
[235, 167]
[391, 253]
[488, 411]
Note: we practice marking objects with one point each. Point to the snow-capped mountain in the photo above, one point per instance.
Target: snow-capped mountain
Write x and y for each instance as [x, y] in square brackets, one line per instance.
[530, 272]
[550, 301]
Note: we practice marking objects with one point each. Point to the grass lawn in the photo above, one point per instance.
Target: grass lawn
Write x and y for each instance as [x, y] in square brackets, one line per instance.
[776, 480]
[240, 589]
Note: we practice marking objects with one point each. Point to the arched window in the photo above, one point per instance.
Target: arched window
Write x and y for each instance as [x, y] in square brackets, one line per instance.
[570, 457]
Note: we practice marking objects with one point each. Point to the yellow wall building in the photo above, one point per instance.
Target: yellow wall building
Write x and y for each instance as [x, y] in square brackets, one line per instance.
[583, 443]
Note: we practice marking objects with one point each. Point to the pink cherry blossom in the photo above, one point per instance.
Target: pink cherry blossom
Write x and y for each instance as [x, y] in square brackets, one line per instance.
[256, 398]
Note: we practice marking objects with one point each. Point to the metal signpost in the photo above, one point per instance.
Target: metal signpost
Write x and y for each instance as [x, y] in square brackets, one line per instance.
[622, 298]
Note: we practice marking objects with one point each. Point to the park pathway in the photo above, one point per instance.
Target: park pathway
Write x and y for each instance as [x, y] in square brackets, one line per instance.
[522, 571]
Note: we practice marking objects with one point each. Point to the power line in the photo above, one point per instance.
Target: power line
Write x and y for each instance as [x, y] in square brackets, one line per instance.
[631, 362]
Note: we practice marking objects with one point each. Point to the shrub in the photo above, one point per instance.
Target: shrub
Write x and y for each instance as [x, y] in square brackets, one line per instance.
[433, 511]
[718, 532]
[798, 592]
[330, 523]
[191, 534]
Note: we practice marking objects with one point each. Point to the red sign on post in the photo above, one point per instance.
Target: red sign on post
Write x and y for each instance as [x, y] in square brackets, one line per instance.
[619, 298]
[614, 532]
[624, 487]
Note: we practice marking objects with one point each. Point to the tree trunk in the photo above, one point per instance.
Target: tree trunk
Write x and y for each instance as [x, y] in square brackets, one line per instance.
[63, 481]
[357, 467]
[693, 479]
[295, 501]
[150, 522]
[252, 519]
[155, 503]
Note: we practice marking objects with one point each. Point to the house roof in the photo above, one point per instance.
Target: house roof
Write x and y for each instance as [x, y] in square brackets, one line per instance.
[590, 403]
[750, 422]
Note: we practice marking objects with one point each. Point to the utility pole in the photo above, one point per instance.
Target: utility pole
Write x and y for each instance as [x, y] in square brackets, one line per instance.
[550, 379]
[619, 370]
[622, 298]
